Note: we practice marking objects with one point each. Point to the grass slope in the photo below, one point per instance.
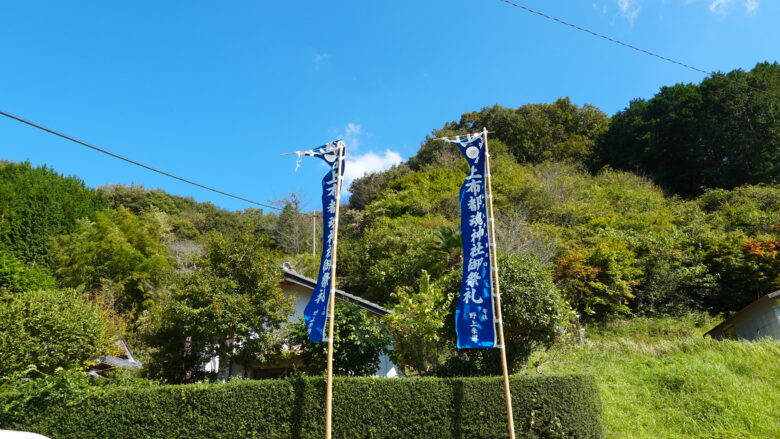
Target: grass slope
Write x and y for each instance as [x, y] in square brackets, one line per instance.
[662, 379]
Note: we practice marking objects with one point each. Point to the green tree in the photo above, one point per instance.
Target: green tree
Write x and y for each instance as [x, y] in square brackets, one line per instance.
[231, 307]
[447, 249]
[43, 330]
[433, 191]
[754, 210]
[187, 217]
[535, 311]
[763, 257]
[721, 133]
[747, 268]
[15, 277]
[535, 316]
[676, 279]
[37, 204]
[118, 252]
[292, 228]
[532, 133]
[416, 325]
[364, 189]
[138, 199]
[390, 254]
[358, 343]
[598, 280]
[745, 224]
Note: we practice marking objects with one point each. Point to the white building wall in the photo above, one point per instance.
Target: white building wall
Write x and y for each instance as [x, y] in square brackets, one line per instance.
[301, 296]
[386, 368]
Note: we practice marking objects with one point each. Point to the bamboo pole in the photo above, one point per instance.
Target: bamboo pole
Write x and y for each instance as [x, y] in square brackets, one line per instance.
[332, 304]
[313, 233]
[510, 424]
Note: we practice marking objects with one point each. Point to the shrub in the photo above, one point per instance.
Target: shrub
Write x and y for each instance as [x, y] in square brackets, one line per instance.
[562, 406]
[16, 277]
[46, 329]
[535, 316]
[359, 342]
[416, 325]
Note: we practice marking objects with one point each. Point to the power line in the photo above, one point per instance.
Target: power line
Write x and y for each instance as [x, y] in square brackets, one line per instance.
[612, 40]
[630, 46]
[167, 174]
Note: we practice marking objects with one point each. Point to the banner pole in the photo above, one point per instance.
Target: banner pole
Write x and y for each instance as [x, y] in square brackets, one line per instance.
[510, 424]
[332, 304]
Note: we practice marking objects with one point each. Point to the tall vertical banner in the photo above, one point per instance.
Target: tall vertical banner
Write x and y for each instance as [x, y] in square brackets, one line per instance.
[316, 312]
[478, 317]
[474, 322]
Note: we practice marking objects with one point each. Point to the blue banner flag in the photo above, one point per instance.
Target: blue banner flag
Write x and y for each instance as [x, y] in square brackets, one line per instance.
[474, 322]
[316, 311]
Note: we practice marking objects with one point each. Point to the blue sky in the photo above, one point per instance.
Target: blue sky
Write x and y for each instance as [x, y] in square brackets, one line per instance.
[214, 91]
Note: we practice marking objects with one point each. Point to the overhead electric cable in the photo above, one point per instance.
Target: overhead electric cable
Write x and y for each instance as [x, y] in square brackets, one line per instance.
[167, 174]
[596, 34]
[630, 46]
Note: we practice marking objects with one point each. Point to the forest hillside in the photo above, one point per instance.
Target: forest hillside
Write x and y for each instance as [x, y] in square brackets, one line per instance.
[667, 208]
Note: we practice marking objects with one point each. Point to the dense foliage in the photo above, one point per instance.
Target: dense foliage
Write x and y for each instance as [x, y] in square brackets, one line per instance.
[232, 308]
[564, 406]
[42, 330]
[359, 341]
[17, 277]
[722, 133]
[417, 325]
[37, 204]
[534, 316]
[532, 133]
[119, 252]
[586, 224]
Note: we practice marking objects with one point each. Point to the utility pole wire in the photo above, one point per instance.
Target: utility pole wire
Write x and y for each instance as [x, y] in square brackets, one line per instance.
[630, 46]
[596, 34]
[167, 174]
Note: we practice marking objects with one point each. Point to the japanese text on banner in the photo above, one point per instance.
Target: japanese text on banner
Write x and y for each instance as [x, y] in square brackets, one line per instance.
[474, 322]
[316, 311]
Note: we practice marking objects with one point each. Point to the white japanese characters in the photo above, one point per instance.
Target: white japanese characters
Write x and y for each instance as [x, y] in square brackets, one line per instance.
[315, 313]
[475, 307]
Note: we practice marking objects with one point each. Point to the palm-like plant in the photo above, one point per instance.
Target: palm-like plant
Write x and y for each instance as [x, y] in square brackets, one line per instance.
[447, 246]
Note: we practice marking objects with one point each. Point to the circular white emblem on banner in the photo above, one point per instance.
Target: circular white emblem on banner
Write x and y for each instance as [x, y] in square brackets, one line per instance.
[472, 152]
[330, 157]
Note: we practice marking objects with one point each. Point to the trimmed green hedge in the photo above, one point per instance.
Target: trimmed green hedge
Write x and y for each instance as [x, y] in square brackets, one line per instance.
[556, 406]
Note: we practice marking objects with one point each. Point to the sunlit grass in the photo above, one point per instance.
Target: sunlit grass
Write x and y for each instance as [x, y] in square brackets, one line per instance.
[659, 378]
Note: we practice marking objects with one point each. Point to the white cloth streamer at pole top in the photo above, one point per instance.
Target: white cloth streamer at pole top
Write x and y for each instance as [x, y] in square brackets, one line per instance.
[330, 147]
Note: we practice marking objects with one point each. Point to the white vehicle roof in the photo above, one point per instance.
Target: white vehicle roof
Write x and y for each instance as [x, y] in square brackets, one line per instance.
[7, 434]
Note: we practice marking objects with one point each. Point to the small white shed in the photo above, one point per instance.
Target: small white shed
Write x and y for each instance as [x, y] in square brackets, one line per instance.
[759, 319]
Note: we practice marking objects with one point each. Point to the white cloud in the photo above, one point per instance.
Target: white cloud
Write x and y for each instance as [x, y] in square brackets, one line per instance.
[351, 135]
[751, 6]
[360, 165]
[603, 8]
[719, 6]
[320, 60]
[629, 9]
